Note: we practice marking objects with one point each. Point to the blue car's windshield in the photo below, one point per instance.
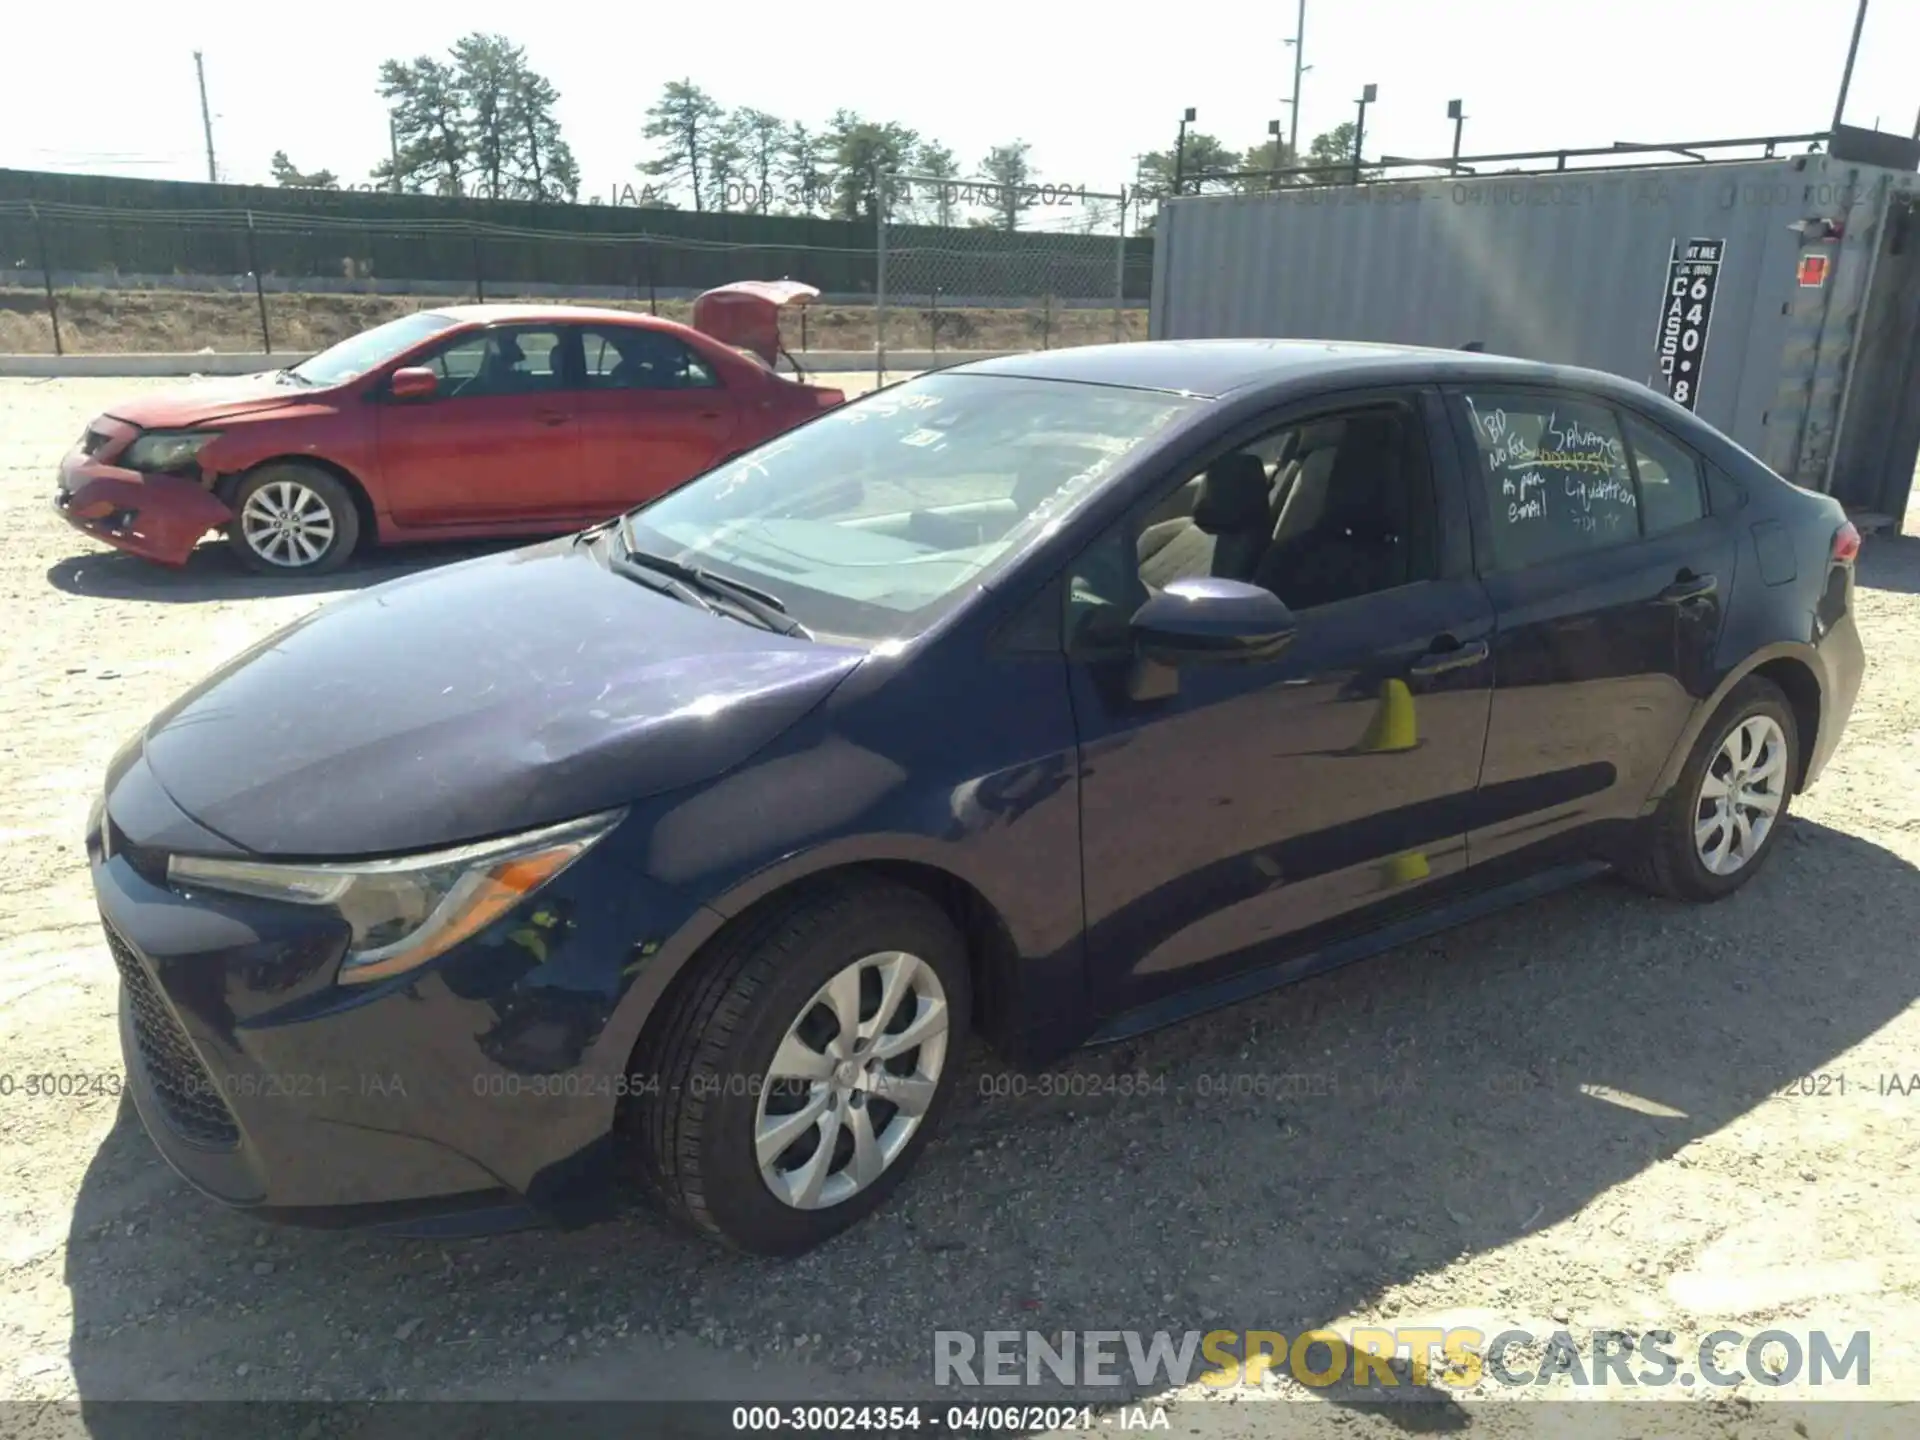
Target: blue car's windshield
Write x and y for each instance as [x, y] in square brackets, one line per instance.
[877, 517]
[358, 354]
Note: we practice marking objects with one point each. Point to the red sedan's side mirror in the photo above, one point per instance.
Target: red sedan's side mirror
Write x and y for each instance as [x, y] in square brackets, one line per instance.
[416, 382]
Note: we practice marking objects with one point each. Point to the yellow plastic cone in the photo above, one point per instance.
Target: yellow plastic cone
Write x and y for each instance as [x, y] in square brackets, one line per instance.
[1393, 726]
[1405, 869]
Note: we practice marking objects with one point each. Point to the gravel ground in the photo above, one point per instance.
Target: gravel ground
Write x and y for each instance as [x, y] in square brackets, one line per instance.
[1581, 1114]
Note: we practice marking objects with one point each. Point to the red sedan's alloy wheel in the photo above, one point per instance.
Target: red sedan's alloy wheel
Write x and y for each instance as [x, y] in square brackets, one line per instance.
[293, 519]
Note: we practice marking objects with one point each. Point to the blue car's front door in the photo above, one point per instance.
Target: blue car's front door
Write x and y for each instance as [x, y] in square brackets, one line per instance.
[1282, 800]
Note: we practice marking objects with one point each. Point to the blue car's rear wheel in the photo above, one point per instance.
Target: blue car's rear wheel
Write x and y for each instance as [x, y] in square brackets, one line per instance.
[804, 1065]
[1728, 808]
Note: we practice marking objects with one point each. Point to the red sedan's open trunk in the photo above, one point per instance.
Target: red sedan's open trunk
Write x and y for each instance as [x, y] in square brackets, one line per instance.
[746, 314]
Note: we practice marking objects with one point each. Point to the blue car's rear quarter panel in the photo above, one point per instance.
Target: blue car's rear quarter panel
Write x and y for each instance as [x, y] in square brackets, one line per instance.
[1812, 611]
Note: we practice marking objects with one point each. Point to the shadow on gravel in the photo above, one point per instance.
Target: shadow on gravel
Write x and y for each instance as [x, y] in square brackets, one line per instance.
[212, 572]
[1277, 1166]
[1890, 562]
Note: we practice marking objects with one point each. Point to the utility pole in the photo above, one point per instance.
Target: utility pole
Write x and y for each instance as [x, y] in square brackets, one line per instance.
[1367, 96]
[206, 119]
[1456, 112]
[1180, 153]
[1846, 75]
[393, 149]
[1298, 43]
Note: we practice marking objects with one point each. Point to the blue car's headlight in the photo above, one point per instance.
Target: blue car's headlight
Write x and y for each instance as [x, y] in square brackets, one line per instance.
[406, 911]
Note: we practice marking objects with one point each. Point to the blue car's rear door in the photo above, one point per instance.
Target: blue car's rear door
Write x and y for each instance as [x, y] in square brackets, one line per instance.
[1609, 579]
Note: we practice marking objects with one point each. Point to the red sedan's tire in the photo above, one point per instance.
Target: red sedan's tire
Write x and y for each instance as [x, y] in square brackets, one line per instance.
[293, 519]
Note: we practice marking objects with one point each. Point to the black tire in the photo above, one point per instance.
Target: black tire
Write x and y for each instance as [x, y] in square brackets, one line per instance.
[1669, 862]
[698, 1083]
[340, 527]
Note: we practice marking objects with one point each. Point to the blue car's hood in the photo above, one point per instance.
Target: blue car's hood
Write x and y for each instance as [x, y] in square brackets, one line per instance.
[491, 696]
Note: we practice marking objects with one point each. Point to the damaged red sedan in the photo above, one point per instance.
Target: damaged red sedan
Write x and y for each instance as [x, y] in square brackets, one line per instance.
[461, 423]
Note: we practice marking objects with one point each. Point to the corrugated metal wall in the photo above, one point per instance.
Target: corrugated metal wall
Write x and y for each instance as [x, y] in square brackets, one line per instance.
[1566, 267]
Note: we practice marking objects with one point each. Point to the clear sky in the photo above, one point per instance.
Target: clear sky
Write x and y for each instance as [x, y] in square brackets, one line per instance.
[1088, 86]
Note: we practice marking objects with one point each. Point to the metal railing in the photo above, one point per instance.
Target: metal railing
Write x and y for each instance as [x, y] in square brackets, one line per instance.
[1617, 156]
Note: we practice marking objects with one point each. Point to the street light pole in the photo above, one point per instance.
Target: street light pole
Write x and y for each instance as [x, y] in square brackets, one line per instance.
[1180, 153]
[1846, 75]
[1273, 178]
[1367, 97]
[1458, 115]
[1298, 42]
[206, 119]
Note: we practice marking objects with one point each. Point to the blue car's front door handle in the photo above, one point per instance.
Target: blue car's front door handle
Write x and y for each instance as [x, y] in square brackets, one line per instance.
[1438, 660]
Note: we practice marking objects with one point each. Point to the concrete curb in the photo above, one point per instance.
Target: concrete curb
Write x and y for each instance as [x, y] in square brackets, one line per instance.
[817, 362]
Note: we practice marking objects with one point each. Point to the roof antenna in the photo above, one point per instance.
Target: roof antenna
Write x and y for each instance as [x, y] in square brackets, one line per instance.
[1475, 347]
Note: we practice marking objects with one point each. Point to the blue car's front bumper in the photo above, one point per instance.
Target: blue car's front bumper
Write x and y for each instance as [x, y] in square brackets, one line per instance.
[478, 1092]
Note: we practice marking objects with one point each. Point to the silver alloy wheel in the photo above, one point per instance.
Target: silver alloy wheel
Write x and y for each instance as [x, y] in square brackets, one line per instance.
[286, 523]
[852, 1080]
[1740, 795]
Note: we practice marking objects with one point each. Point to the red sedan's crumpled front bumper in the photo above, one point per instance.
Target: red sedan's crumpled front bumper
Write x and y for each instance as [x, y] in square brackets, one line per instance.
[157, 517]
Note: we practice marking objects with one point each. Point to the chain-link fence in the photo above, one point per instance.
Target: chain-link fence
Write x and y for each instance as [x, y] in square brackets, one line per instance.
[78, 279]
[86, 278]
[976, 265]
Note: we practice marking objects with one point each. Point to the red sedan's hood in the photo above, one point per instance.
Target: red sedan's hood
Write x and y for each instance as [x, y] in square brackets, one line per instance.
[207, 400]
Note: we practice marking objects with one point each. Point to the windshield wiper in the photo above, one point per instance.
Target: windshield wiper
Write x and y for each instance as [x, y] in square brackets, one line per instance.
[290, 377]
[763, 607]
[665, 584]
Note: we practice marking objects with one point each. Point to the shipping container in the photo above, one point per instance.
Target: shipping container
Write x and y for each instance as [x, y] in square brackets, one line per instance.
[1780, 299]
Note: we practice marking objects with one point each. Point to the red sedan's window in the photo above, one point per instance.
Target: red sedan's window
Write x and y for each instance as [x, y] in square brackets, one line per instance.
[518, 361]
[632, 358]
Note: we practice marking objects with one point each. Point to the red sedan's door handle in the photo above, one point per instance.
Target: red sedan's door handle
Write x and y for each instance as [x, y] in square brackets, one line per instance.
[709, 415]
[1442, 658]
[1688, 586]
[552, 417]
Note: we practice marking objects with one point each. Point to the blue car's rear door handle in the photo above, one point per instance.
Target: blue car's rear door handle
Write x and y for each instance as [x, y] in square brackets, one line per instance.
[1688, 586]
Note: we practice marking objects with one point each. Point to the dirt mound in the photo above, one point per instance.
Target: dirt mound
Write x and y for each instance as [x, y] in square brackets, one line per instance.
[104, 322]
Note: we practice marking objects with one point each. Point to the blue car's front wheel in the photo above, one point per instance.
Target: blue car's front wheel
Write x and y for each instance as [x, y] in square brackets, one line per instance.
[805, 1063]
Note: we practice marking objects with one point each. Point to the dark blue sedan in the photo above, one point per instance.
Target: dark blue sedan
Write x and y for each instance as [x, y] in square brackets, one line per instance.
[1046, 699]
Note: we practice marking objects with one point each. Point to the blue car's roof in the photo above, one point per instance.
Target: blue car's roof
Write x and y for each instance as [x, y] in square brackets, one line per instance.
[1215, 368]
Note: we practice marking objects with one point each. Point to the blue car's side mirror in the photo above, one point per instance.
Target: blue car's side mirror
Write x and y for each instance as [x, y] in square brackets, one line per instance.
[1208, 620]
[1204, 621]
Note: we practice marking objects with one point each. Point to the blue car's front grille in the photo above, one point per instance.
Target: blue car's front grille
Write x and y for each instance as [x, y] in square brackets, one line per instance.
[186, 1092]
